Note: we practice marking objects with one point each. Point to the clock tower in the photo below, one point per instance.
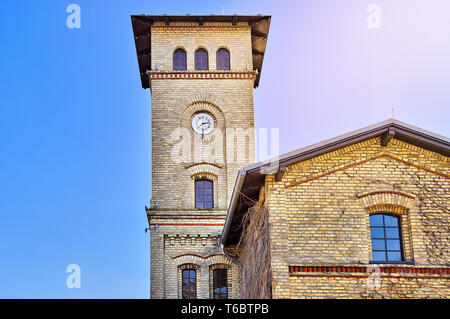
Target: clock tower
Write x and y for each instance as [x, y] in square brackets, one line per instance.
[201, 72]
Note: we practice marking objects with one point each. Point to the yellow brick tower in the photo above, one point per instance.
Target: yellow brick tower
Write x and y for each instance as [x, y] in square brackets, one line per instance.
[201, 71]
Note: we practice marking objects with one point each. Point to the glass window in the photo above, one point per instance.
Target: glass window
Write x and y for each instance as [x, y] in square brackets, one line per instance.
[385, 233]
[179, 60]
[223, 59]
[204, 194]
[201, 60]
[220, 286]
[189, 284]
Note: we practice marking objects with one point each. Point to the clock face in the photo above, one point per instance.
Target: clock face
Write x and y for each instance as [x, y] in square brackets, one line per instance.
[202, 123]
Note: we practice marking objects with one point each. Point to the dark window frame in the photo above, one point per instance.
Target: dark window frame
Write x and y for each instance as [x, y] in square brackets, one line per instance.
[189, 292]
[385, 238]
[219, 284]
[176, 64]
[220, 63]
[200, 64]
[202, 202]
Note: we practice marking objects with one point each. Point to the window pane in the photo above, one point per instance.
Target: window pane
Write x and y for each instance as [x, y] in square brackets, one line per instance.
[394, 256]
[201, 59]
[223, 59]
[376, 220]
[204, 194]
[386, 244]
[378, 244]
[392, 233]
[220, 285]
[378, 256]
[199, 205]
[179, 60]
[189, 284]
[390, 220]
[377, 232]
[393, 245]
[208, 205]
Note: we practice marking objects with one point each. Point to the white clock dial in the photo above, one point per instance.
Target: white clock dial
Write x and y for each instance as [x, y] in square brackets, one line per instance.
[202, 123]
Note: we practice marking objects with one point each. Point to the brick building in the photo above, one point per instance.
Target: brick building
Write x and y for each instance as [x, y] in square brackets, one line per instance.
[201, 71]
[363, 215]
[375, 199]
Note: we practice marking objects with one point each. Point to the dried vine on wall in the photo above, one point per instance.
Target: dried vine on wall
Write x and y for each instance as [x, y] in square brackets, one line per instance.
[254, 247]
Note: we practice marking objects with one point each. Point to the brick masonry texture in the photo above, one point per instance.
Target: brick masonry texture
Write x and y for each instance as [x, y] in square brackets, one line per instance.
[319, 214]
[319, 211]
[182, 236]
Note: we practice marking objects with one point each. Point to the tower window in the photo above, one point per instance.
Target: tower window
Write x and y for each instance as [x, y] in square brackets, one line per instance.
[201, 60]
[189, 284]
[223, 59]
[385, 233]
[220, 286]
[204, 195]
[179, 60]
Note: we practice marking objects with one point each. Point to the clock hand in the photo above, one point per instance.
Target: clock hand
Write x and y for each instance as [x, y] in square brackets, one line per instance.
[201, 124]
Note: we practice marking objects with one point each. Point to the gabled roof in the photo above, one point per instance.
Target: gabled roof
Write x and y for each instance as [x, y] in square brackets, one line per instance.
[250, 178]
[142, 36]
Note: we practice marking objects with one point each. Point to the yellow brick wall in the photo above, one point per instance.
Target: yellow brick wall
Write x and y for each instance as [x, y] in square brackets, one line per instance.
[319, 215]
[237, 39]
[180, 234]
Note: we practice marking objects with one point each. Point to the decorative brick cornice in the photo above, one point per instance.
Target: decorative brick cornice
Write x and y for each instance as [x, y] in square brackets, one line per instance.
[201, 75]
[190, 240]
[365, 271]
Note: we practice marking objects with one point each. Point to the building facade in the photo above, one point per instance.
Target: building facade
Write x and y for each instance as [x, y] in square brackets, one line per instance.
[363, 215]
[201, 71]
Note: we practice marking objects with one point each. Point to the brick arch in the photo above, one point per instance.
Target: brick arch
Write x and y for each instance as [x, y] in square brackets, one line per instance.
[206, 98]
[387, 200]
[189, 259]
[214, 107]
[210, 171]
[219, 259]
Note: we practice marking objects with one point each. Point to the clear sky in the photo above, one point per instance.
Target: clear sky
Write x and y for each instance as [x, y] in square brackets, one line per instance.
[75, 122]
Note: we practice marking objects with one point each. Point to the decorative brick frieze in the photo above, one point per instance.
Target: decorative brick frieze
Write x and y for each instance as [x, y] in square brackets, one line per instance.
[361, 271]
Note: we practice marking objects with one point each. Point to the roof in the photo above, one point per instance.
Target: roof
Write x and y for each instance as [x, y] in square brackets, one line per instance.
[250, 178]
[142, 36]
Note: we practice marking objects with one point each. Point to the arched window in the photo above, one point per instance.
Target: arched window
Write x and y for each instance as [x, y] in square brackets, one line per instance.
[201, 60]
[204, 194]
[189, 284]
[223, 59]
[179, 60]
[220, 283]
[385, 233]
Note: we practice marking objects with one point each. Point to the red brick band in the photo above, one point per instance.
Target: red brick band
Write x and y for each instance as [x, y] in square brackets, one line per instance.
[365, 161]
[386, 192]
[202, 75]
[364, 269]
[176, 224]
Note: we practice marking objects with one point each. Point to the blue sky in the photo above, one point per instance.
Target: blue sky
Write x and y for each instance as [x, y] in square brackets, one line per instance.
[75, 122]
